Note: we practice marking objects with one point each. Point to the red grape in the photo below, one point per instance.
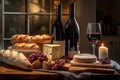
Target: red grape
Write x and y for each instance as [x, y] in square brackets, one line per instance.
[105, 61]
[37, 55]
[57, 64]
[55, 67]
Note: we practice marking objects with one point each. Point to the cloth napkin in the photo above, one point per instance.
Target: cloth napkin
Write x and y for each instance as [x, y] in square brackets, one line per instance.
[69, 75]
[116, 65]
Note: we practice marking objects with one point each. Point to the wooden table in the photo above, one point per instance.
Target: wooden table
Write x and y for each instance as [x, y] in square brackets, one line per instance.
[10, 73]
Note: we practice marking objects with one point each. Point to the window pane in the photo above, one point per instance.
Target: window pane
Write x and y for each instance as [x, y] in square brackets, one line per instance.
[14, 5]
[0, 42]
[7, 43]
[42, 6]
[39, 24]
[0, 27]
[0, 17]
[64, 19]
[65, 6]
[14, 24]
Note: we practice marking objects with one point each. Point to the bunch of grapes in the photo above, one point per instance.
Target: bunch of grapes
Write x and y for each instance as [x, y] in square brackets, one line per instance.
[37, 56]
[105, 61]
[57, 64]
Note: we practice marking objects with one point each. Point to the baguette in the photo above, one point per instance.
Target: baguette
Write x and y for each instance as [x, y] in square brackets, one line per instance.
[18, 38]
[15, 58]
[27, 46]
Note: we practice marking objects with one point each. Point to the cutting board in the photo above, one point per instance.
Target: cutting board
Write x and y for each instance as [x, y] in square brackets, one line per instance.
[68, 67]
[95, 65]
[91, 67]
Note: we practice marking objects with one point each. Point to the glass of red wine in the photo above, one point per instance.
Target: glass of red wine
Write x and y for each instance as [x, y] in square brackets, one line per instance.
[94, 34]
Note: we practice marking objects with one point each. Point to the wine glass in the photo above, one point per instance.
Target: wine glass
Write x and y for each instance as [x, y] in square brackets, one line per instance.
[94, 34]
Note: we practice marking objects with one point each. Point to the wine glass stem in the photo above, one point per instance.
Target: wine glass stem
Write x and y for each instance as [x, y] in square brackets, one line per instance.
[94, 46]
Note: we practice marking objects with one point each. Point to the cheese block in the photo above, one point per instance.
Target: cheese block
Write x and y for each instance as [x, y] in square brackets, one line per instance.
[55, 50]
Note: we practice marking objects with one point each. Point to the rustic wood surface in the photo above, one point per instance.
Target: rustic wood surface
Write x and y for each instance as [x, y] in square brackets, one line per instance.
[12, 73]
[91, 67]
[6, 69]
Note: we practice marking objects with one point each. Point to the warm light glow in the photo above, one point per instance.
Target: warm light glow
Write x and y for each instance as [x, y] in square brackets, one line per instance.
[35, 6]
[102, 44]
[35, 1]
[55, 3]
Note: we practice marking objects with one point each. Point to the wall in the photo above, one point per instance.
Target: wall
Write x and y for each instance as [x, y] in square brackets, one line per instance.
[87, 14]
[114, 48]
[111, 8]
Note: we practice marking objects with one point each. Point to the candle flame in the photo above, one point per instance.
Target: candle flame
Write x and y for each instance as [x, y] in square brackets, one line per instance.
[102, 44]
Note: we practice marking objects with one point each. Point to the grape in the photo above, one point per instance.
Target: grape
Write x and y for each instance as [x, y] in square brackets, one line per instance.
[37, 55]
[43, 58]
[57, 64]
[62, 63]
[57, 61]
[55, 67]
[105, 61]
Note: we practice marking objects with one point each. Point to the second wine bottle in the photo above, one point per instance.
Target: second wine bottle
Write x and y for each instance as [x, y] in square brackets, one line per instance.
[72, 34]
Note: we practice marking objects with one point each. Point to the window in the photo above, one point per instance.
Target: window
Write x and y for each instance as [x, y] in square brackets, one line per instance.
[28, 17]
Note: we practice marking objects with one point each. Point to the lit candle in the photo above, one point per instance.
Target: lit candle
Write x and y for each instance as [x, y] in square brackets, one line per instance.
[103, 52]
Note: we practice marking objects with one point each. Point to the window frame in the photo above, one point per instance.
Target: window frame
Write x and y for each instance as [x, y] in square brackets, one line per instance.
[27, 13]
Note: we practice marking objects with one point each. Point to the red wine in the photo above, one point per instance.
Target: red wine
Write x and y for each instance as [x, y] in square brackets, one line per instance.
[94, 37]
[57, 28]
[72, 32]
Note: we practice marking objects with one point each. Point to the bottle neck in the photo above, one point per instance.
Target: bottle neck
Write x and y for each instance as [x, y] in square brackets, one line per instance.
[59, 11]
[72, 11]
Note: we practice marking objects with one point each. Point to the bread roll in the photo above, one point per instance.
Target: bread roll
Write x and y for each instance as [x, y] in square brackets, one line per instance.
[15, 58]
[18, 38]
[37, 64]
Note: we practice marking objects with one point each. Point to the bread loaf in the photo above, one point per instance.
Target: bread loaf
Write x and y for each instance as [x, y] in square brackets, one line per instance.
[27, 46]
[15, 58]
[18, 38]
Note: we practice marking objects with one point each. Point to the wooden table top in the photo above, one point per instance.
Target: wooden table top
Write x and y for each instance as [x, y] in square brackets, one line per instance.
[9, 70]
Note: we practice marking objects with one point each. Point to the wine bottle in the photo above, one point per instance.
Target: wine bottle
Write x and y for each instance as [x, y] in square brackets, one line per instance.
[72, 34]
[57, 28]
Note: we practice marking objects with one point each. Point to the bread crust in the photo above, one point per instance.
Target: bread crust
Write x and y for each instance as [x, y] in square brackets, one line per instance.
[27, 46]
[18, 38]
[15, 58]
